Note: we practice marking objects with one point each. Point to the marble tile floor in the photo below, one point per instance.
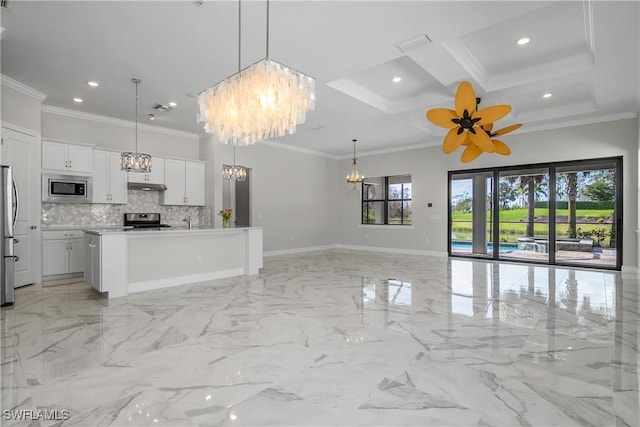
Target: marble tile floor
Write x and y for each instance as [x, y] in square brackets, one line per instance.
[331, 338]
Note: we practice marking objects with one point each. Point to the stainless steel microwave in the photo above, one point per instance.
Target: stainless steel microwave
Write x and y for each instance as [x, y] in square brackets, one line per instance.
[66, 188]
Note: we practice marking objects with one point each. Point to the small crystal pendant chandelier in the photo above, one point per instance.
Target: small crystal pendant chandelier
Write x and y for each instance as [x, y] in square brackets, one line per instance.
[354, 178]
[235, 172]
[134, 161]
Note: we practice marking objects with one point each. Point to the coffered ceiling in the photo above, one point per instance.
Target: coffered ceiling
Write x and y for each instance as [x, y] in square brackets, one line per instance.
[585, 53]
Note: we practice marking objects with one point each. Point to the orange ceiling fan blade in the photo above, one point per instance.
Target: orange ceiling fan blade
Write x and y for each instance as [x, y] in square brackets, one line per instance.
[465, 99]
[452, 141]
[442, 117]
[471, 153]
[508, 129]
[501, 147]
[482, 140]
[492, 114]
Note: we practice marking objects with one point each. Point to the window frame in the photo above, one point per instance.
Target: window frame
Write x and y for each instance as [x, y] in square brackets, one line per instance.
[385, 201]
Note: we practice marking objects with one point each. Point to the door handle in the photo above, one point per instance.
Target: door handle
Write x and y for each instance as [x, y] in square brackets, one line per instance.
[16, 258]
[16, 241]
[33, 227]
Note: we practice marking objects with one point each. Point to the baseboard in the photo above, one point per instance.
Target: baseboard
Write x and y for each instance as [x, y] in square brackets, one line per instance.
[629, 271]
[355, 248]
[56, 277]
[394, 250]
[298, 250]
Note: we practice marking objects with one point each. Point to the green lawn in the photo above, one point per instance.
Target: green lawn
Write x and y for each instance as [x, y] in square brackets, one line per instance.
[521, 214]
[513, 223]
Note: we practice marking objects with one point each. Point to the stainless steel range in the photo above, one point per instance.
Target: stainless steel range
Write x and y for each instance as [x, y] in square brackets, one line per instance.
[143, 220]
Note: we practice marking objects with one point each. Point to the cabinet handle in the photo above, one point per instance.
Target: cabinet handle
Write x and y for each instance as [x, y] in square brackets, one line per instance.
[16, 240]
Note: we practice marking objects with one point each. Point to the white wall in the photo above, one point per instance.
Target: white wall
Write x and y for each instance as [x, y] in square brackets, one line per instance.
[20, 109]
[119, 135]
[429, 167]
[291, 193]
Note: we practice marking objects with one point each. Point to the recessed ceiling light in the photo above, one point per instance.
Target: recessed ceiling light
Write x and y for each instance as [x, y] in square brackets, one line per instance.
[93, 83]
[396, 79]
[173, 104]
[547, 95]
[78, 100]
[152, 116]
[523, 40]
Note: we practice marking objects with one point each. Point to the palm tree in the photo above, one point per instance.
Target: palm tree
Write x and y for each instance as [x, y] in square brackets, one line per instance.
[572, 194]
[527, 184]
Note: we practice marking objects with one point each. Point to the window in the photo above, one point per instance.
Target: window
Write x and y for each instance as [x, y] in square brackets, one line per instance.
[387, 200]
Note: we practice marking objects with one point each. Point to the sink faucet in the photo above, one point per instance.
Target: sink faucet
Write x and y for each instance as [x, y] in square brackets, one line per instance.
[188, 221]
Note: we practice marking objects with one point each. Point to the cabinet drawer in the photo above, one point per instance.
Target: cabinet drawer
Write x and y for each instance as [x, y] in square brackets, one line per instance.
[62, 234]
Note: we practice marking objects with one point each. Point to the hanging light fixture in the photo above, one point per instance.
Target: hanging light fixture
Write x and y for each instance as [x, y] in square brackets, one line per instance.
[134, 161]
[265, 100]
[354, 178]
[235, 172]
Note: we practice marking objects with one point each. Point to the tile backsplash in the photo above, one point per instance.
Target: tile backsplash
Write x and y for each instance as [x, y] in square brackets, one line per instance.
[55, 214]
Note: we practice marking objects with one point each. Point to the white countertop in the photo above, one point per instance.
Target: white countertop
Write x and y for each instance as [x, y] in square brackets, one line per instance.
[163, 230]
[78, 227]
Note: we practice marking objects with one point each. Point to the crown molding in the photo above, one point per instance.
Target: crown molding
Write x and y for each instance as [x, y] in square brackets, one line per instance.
[117, 122]
[22, 88]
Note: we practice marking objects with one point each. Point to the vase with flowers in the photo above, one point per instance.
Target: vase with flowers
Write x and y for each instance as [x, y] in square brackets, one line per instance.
[225, 214]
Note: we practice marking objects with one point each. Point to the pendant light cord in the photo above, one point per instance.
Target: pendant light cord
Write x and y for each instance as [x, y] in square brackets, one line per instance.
[354, 151]
[267, 28]
[239, 34]
[136, 81]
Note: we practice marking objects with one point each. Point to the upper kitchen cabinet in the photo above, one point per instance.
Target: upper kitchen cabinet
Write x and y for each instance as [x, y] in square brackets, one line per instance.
[156, 176]
[67, 157]
[185, 183]
[109, 181]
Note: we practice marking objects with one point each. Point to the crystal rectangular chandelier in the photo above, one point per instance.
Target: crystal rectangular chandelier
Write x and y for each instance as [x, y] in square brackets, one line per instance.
[264, 100]
[234, 172]
[134, 161]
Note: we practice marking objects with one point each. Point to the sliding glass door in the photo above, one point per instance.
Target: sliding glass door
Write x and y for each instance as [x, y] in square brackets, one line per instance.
[524, 214]
[586, 214]
[471, 213]
[566, 213]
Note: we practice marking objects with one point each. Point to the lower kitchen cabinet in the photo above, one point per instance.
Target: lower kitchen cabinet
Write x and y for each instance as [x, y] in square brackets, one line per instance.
[62, 252]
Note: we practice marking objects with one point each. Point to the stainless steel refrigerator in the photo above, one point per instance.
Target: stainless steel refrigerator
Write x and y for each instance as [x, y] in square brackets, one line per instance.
[8, 211]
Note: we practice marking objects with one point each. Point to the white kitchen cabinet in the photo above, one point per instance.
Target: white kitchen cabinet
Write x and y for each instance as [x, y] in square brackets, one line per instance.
[109, 181]
[194, 183]
[156, 176]
[66, 157]
[62, 252]
[185, 182]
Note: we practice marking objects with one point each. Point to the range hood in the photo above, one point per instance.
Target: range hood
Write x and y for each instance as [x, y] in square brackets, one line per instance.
[146, 186]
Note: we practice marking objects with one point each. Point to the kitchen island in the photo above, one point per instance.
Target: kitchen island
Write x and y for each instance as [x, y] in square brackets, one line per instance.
[123, 261]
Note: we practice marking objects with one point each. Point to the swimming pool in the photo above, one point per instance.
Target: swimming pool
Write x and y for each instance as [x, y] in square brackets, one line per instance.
[466, 245]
